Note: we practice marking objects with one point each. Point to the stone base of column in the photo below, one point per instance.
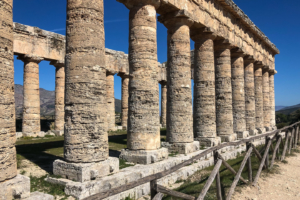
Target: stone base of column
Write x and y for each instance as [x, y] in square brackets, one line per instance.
[268, 128]
[261, 130]
[242, 134]
[144, 156]
[182, 148]
[19, 188]
[82, 172]
[253, 132]
[274, 128]
[208, 142]
[58, 133]
[228, 138]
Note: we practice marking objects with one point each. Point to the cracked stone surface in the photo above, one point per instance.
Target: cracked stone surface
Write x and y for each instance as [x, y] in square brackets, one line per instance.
[125, 95]
[31, 107]
[249, 96]
[224, 115]
[180, 115]
[59, 95]
[266, 97]
[86, 138]
[143, 118]
[8, 163]
[164, 104]
[259, 121]
[204, 87]
[110, 98]
[238, 92]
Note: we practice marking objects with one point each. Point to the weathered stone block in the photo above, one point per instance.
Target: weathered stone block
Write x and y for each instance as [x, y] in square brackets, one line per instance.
[228, 138]
[242, 135]
[182, 148]
[261, 130]
[144, 156]
[82, 172]
[16, 188]
[40, 196]
[253, 132]
[208, 142]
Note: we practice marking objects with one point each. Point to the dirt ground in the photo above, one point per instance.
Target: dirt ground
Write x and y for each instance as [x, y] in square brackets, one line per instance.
[284, 185]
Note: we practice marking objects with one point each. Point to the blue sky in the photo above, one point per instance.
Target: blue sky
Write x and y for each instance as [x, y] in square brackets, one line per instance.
[278, 19]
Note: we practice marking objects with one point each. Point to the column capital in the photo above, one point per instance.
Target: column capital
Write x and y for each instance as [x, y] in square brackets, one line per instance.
[249, 59]
[237, 53]
[177, 18]
[163, 83]
[134, 3]
[108, 73]
[272, 72]
[258, 64]
[223, 44]
[30, 58]
[123, 75]
[203, 34]
[58, 63]
[265, 68]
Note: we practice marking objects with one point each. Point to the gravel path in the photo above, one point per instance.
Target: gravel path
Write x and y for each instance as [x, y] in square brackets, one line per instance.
[284, 185]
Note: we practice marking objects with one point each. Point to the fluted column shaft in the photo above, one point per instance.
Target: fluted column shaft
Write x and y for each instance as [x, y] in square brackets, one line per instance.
[8, 161]
[224, 115]
[180, 115]
[259, 112]
[204, 86]
[143, 117]
[164, 104]
[250, 96]
[110, 97]
[86, 138]
[31, 107]
[125, 84]
[59, 95]
[272, 99]
[238, 93]
[266, 97]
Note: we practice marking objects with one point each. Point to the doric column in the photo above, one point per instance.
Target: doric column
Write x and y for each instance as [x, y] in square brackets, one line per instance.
[86, 139]
[143, 129]
[180, 111]
[224, 115]
[250, 95]
[266, 97]
[259, 110]
[272, 72]
[8, 162]
[110, 97]
[31, 107]
[125, 84]
[238, 93]
[180, 128]
[164, 104]
[59, 95]
[85, 130]
[204, 88]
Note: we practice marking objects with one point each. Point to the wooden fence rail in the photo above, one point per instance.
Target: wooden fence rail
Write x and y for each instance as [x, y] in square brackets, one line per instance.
[158, 191]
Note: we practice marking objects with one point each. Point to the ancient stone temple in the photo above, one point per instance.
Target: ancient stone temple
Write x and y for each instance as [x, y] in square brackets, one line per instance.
[232, 65]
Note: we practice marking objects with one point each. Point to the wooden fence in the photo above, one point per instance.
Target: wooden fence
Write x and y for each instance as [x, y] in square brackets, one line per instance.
[157, 191]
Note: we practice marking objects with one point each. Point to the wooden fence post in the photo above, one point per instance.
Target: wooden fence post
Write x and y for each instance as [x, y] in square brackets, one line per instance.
[262, 162]
[249, 145]
[285, 145]
[275, 150]
[291, 141]
[218, 180]
[267, 158]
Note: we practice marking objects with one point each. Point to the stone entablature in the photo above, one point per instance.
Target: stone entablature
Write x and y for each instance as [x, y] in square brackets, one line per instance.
[227, 21]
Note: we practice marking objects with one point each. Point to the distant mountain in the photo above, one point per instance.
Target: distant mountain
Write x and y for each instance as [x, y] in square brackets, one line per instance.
[279, 107]
[288, 110]
[47, 99]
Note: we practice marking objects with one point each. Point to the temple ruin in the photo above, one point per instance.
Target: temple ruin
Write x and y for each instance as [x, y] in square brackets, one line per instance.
[232, 65]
